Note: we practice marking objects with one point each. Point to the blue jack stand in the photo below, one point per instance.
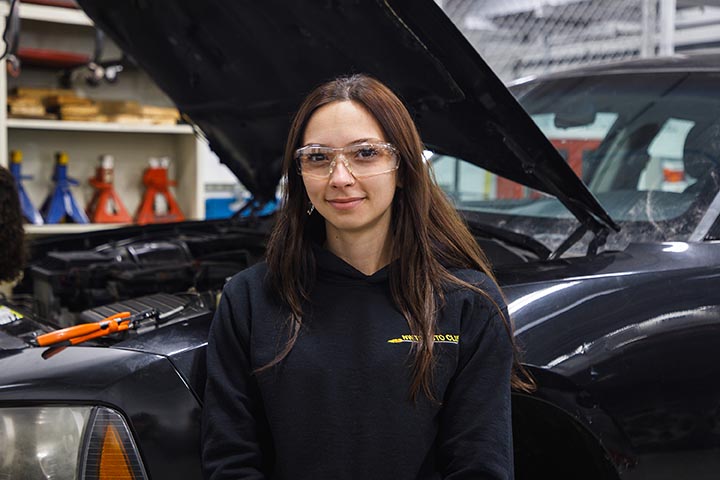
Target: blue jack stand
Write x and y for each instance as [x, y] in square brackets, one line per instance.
[29, 211]
[60, 203]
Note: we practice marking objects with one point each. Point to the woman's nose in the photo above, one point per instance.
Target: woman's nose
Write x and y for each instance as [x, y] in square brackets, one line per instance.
[341, 174]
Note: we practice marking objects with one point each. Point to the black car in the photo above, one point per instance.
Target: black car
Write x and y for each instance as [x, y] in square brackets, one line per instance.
[605, 244]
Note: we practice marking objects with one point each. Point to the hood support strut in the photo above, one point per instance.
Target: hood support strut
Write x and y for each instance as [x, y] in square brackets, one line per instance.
[537, 167]
[588, 221]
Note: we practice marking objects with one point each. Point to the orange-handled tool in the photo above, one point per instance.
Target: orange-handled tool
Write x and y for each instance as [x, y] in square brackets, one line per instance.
[80, 333]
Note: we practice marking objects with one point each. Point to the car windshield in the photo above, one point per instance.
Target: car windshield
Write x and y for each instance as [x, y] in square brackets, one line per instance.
[647, 145]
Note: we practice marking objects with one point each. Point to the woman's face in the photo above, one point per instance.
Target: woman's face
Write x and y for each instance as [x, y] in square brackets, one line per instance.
[348, 204]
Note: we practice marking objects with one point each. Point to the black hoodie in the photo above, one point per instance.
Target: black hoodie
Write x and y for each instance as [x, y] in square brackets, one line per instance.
[338, 406]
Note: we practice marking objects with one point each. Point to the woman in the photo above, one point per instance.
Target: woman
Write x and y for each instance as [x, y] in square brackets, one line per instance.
[373, 343]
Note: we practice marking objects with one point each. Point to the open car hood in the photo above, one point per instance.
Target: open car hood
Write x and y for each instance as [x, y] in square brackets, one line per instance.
[239, 69]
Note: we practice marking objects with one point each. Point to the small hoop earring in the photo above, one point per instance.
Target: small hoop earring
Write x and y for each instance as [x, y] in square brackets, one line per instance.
[311, 209]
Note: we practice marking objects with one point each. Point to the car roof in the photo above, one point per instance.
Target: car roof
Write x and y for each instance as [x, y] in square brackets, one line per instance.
[706, 62]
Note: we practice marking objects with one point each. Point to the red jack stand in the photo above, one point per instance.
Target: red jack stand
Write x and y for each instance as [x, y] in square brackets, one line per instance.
[158, 205]
[105, 206]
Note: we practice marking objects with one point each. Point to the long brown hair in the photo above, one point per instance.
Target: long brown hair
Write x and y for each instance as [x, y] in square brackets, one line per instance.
[428, 236]
[12, 233]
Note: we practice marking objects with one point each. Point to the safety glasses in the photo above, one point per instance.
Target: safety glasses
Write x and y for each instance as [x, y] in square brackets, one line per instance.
[362, 159]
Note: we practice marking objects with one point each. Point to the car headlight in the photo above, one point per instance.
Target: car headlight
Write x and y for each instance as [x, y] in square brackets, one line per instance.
[67, 443]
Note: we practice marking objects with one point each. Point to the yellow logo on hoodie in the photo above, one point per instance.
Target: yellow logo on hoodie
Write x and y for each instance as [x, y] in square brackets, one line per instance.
[439, 338]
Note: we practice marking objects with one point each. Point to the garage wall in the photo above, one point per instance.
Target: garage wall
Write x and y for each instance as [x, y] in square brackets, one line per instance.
[519, 38]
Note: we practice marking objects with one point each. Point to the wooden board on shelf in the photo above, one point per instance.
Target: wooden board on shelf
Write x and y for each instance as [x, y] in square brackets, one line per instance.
[160, 112]
[25, 107]
[15, 100]
[128, 111]
[52, 101]
[129, 118]
[88, 110]
[84, 118]
[40, 92]
[163, 120]
[44, 116]
[119, 107]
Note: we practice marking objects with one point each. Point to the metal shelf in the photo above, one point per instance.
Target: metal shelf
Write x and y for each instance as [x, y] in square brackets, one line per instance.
[43, 13]
[62, 125]
[40, 138]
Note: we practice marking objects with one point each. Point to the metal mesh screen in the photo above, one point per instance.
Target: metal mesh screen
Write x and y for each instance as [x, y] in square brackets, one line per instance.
[526, 37]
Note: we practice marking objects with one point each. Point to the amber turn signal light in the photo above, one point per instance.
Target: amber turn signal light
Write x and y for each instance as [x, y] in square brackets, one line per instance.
[111, 453]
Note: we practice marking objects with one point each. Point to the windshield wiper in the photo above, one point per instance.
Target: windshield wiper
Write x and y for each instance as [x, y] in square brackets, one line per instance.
[600, 234]
[510, 237]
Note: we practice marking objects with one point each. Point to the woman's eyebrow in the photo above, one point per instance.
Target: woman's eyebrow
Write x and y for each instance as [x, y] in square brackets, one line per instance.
[354, 142]
[363, 140]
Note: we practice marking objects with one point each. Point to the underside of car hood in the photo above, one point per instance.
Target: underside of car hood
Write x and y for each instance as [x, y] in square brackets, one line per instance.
[239, 70]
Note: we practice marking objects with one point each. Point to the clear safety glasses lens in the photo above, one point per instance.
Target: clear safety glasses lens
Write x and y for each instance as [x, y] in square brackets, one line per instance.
[362, 160]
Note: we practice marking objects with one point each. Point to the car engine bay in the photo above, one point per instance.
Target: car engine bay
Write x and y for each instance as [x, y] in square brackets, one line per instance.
[163, 278]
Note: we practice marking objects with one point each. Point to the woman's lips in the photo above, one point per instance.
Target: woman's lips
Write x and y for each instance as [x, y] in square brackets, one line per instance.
[346, 203]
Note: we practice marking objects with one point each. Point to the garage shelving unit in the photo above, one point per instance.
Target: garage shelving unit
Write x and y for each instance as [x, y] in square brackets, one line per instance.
[130, 144]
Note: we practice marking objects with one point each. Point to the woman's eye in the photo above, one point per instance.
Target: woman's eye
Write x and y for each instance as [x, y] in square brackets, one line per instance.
[366, 153]
[316, 157]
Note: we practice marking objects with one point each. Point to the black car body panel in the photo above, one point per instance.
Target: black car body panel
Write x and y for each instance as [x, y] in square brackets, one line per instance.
[183, 343]
[622, 343]
[637, 338]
